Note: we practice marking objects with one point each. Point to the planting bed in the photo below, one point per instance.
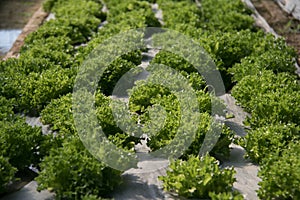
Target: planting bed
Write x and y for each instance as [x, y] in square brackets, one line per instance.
[256, 155]
[284, 23]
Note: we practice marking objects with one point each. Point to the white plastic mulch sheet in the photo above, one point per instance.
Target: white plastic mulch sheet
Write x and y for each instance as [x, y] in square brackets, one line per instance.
[290, 6]
[7, 39]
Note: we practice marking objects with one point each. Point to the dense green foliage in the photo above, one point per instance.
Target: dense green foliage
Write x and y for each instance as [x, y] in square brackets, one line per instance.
[174, 61]
[263, 68]
[212, 15]
[72, 172]
[183, 12]
[235, 195]
[221, 148]
[145, 96]
[58, 114]
[94, 197]
[280, 176]
[262, 142]
[270, 98]
[197, 177]
[273, 101]
[7, 173]
[256, 67]
[6, 109]
[277, 61]
[76, 19]
[112, 74]
[135, 14]
[109, 126]
[222, 15]
[20, 143]
[45, 71]
[48, 61]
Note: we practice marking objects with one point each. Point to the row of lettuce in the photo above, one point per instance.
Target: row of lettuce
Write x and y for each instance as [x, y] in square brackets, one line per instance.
[257, 68]
[259, 71]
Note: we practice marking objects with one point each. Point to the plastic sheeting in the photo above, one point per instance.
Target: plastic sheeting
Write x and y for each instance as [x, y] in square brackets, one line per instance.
[7, 39]
[259, 20]
[290, 6]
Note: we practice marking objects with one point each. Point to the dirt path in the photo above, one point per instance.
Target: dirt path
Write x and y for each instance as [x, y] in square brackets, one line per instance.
[283, 23]
[14, 14]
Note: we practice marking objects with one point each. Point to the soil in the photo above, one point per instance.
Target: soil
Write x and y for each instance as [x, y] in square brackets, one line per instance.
[18, 14]
[283, 23]
[14, 14]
